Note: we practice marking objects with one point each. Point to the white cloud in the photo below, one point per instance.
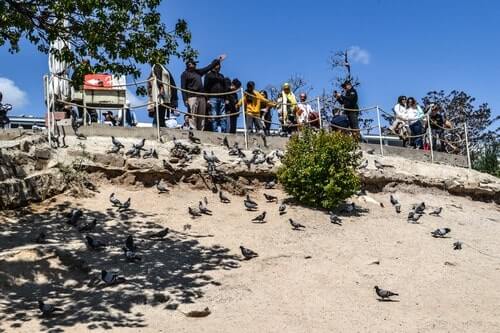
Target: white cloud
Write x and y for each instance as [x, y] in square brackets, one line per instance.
[359, 55]
[12, 94]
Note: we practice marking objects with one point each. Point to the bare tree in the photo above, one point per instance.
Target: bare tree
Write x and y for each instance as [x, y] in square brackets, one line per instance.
[297, 82]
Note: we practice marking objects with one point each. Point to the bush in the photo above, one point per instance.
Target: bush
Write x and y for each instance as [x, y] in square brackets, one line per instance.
[487, 161]
[319, 168]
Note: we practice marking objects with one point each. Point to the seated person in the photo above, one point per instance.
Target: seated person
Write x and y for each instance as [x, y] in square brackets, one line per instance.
[109, 118]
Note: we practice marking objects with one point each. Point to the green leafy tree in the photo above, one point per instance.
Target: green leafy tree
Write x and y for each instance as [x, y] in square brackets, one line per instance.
[319, 168]
[117, 35]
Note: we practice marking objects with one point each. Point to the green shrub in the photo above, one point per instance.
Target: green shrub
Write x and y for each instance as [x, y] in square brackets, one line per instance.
[487, 160]
[319, 168]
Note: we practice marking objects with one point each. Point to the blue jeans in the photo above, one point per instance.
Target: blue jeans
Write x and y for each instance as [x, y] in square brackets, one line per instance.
[416, 129]
[217, 107]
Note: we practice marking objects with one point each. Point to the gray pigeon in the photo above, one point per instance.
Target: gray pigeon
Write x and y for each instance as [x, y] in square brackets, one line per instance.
[250, 206]
[223, 198]
[131, 255]
[394, 200]
[349, 208]
[225, 142]
[247, 253]
[129, 243]
[151, 153]
[270, 198]
[384, 294]
[440, 233]
[86, 227]
[114, 201]
[140, 145]
[194, 212]
[295, 225]
[75, 216]
[398, 207]
[457, 245]
[378, 165]
[47, 309]
[282, 209]
[270, 185]
[437, 211]
[413, 218]
[111, 278]
[203, 209]
[193, 139]
[370, 151]
[160, 234]
[420, 208]
[335, 219]
[94, 244]
[117, 143]
[260, 218]
[250, 200]
[126, 204]
[363, 165]
[161, 187]
[114, 150]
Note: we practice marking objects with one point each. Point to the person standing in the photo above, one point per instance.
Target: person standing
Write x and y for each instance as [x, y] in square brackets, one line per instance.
[265, 113]
[215, 84]
[287, 105]
[167, 94]
[231, 102]
[305, 111]
[349, 101]
[414, 118]
[436, 120]
[252, 101]
[191, 82]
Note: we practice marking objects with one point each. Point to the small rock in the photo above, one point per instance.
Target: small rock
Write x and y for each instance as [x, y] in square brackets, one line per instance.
[42, 153]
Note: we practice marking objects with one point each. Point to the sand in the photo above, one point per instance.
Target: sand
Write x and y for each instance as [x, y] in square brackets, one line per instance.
[317, 280]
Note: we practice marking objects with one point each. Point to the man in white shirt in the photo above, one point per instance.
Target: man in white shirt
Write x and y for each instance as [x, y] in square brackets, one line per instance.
[305, 110]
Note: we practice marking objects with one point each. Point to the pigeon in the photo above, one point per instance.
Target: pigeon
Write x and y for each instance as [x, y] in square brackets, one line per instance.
[160, 234]
[370, 151]
[205, 200]
[94, 244]
[114, 201]
[223, 198]
[349, 208]
[260, 218]
[241, 154]
[419, 208]
[394, 200]
[114, 150]
[378, 165]
[111, 278]
[151, 153]
[129, 243]
[40, 239]
[335, 219]
[186, 227]
[440, 233]
[203, 209]
[140, 145]
[194, 212]
[436, 212]
[295, 225]
[80, 136]
[250, 205]
[225, 142]
[270, 198]
[75, 215]
[247, 253]
[270, 161]
[89, 185]
[413, 217]
[131, 151]
[383, 294]
[86, 227]
[161, 188]
[116, 143]
[398, 208]
[270, 185]
[457, 245]
[363, 165]
[193, 139]
[47, 309]
[250, 200]
[197, 314]
[125, 205]
[282, 209]
[279, 154]
[131, 256]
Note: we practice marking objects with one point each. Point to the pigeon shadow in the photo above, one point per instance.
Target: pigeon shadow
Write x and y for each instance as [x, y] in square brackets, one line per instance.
[60, 270]
[388, 300]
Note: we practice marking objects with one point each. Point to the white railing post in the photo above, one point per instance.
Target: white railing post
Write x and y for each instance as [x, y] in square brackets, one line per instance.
[47, 98]
[429, 130]
[244, 116]
[319, 113]
[84, 107]
[380, 132]
[467, 145]
[154, 91]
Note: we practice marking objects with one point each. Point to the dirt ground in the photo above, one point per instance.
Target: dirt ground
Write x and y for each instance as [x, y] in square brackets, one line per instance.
[317, 280]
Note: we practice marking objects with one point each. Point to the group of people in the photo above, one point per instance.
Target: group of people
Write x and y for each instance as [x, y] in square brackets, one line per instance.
[411, 122]
[213, 104]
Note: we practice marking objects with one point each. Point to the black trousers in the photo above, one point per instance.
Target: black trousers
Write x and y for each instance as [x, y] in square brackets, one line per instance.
[162, 112]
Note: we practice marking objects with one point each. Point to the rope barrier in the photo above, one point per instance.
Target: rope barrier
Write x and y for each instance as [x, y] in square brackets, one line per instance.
[356, 110]
[103, 108]
[200, 115]
[277, 104]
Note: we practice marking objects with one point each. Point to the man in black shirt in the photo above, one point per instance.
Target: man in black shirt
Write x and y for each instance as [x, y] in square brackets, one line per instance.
[231, 101]
[436, 120]
[215, 84]
[191, 80]
[349, 101]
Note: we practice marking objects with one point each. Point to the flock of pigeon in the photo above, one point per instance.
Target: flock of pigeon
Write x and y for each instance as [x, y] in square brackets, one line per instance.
[185, 152]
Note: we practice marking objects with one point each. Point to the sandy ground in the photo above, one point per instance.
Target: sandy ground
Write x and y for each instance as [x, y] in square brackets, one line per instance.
[317, 280]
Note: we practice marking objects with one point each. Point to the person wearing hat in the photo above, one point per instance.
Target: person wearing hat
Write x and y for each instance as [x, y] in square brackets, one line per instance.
[349, 101]
[287, 109]
[192, 95]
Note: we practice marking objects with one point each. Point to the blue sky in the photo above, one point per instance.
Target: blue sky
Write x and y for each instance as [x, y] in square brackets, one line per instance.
[405, 47]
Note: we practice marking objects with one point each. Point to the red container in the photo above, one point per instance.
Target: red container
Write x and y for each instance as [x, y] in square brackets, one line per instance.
[98, 82]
